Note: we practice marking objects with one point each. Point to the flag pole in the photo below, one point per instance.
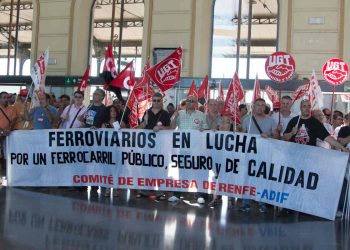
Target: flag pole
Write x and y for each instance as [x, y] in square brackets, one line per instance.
[331, 118]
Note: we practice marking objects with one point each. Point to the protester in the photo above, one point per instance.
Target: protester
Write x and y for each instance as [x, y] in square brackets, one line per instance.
[261, 124]
[327, 113]
[112, 118]
[171, 109]
[190, 118]
[213, 118]
[338, 119]
[305, 129]
[221, 105]
[284, 115]
[155, 118]
[243, 111]
[71, 112]
[63, 102]
[42, 116]
[12, 99]
[94, 116]
[96, 113]
[225, 125]
[21, 103]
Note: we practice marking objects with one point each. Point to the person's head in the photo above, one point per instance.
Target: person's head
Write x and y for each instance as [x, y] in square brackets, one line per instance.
[243, 110]
[212, 106]
[337, 119]
[12, 98]
[182, 105]
[305, 108]
[319, 115]
[44, 99]
[64, 101]
[157, 100]
[259, 106]
[4, 98]
[78, 97]
[98, 96]
[53, 101]
[327, 113]
[22, 95]
[286, 103]
[221, 105]
[191, 102]
[112, 112]
[347, 119]
[170, 108]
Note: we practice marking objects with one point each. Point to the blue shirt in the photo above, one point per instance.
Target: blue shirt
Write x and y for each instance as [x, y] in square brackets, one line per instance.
[40, 119]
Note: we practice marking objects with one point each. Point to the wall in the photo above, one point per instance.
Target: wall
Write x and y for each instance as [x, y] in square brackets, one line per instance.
[186, 23]
[312, 44]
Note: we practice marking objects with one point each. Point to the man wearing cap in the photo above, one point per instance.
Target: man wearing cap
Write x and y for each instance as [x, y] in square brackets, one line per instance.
[20, 104]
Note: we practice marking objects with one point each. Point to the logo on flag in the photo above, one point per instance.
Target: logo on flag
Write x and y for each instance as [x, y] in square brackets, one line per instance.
[167, 72]
[84, 81]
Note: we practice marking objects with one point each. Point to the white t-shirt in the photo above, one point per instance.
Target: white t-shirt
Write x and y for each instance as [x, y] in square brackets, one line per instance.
[284, 119]
[71, 115]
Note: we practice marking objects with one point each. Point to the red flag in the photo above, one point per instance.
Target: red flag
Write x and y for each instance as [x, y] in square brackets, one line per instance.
[133, 118]
[231, 105]
[110, 72]
[126, 78]
[143, 89]
[238, 89]
[141, 108]
[84, 81]
[167, 72]
[221, 92]
[273, 96]
[257, 93]
[193, 92]
[203, 92]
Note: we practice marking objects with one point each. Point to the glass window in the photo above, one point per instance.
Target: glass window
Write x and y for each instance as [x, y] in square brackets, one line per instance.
[244, 34]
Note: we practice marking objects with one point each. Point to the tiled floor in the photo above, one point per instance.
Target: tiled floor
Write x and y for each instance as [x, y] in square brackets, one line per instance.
[65, 219]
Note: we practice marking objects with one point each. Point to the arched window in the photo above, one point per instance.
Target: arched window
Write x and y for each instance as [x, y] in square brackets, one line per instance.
[244, 34]
[15, 35]
[109, 16]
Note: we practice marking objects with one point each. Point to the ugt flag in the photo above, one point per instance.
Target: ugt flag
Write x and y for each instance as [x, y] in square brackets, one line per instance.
[167, 72]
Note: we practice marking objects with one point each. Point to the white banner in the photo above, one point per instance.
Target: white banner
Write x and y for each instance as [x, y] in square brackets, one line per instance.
[298, 177]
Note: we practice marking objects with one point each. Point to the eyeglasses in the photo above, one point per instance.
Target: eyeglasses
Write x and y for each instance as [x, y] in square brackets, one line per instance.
[78, 97]
[190, 101]
[156, 100]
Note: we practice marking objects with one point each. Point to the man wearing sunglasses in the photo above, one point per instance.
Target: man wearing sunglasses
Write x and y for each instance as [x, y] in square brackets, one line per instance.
[71, 112]
[156, 117]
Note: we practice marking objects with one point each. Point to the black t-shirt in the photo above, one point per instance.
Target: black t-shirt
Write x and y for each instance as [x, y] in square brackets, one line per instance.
[344, 132]
[308, 131]
[95, 116]
[162, 116]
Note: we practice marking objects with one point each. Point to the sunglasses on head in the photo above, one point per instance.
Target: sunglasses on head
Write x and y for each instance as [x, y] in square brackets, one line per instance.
[190, 101]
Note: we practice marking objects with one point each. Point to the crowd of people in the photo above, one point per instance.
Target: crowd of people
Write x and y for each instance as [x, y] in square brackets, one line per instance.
[315, 128]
